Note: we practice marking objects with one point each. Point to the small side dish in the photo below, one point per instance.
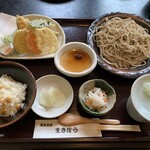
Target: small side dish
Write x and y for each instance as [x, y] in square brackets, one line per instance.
[97, 97]
[138, 104]
[54, 96]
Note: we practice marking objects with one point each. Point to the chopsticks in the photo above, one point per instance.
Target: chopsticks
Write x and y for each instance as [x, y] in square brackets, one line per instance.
[131, 128]
[70, 119]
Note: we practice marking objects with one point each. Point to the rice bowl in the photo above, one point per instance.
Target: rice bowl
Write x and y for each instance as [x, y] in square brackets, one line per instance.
[12, 95]
[23, 75]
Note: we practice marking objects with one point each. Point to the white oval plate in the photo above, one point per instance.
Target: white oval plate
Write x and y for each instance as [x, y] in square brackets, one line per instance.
[61, 39]
[57, 82]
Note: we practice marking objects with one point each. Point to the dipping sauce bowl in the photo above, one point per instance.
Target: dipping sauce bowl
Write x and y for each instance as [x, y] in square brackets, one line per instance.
[75, 59]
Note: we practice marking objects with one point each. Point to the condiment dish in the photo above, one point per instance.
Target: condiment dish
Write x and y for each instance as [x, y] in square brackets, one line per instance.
[75, 59]
[138, 104]
[21, 74]
[58, 82]
[105, 88]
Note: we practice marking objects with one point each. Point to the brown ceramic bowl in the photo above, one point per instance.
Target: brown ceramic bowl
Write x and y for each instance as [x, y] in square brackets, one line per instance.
[21, 74]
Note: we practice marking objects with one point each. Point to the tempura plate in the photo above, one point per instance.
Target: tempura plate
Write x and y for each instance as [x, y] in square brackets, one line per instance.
[10, 27]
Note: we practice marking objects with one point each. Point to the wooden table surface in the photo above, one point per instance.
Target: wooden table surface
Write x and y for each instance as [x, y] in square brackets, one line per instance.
[75, 16]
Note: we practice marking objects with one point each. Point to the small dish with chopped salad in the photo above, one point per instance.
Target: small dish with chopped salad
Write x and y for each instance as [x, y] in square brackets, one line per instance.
[97, 97]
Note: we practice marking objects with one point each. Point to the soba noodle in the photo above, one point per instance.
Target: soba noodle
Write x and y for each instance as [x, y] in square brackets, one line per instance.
[123, 43]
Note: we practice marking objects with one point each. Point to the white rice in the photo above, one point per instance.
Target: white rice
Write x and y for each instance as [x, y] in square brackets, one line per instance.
[13, 89]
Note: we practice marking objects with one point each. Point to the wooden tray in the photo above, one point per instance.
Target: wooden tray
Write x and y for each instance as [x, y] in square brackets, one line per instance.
[19, 135]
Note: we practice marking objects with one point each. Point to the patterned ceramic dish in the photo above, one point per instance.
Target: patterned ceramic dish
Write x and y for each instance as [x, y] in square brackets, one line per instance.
[126, 73]
[103, 86]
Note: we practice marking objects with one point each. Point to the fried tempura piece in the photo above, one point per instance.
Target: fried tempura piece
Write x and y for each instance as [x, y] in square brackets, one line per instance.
[32, 42]
[19, 41]
[46, 40]
[22, 22]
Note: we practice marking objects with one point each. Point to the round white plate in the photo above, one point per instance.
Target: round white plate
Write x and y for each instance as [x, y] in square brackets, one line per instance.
[56, 82]
[61, 39]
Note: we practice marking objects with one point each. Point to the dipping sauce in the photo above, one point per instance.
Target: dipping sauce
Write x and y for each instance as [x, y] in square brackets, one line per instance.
[75, 60]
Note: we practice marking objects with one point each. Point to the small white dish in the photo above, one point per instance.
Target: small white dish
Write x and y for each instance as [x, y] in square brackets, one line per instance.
[60, 83]
[138, 104]
[58, 28]
[78, 46]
